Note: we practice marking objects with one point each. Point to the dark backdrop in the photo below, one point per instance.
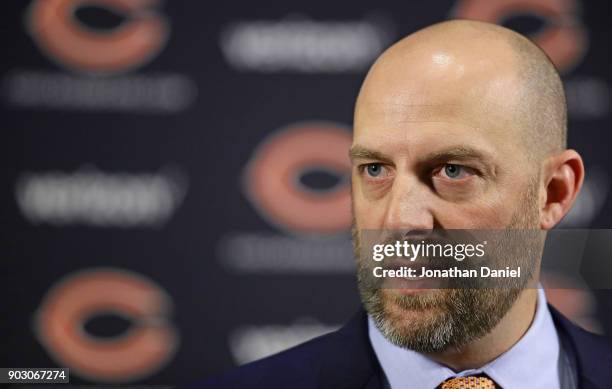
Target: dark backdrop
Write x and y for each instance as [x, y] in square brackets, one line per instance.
[173, 199]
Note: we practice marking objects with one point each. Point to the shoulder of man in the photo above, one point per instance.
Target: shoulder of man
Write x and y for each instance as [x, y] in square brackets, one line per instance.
[592, 352]
[341, 359]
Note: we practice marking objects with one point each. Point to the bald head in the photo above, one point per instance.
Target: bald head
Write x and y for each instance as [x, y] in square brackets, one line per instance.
[460, 125]
[475, 74]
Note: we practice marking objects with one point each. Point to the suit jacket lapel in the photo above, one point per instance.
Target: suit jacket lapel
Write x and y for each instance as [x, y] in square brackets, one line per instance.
[349, 361]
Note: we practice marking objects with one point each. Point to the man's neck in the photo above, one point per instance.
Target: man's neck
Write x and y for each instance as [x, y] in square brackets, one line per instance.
[506, 334]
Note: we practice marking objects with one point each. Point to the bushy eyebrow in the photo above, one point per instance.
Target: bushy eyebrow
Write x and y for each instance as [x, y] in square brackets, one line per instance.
[360, 152]
[459, 153]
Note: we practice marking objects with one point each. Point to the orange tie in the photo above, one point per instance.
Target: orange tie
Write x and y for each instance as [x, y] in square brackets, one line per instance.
[471, 382]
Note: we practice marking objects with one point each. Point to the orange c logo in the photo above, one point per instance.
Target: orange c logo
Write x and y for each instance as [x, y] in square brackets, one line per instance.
[272, 178]
[139, 352]
[56, 30]
[564, 37]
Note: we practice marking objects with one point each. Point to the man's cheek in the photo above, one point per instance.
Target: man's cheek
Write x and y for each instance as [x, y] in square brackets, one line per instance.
[478, 215]
[368, 215]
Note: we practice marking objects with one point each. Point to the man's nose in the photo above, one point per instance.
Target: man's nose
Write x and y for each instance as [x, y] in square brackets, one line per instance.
[409, 208]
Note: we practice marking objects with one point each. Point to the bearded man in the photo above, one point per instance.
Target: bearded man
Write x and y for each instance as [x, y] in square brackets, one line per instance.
[461, 125]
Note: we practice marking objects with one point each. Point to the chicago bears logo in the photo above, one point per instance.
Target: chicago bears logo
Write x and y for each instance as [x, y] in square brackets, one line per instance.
[563, 36]
[65, 39]
[273, 178]
[140, 351]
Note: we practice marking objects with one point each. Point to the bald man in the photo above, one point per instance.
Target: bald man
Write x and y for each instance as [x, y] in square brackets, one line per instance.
[461, 125]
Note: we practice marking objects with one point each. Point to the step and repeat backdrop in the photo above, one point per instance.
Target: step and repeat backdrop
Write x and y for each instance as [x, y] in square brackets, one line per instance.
[175, 195]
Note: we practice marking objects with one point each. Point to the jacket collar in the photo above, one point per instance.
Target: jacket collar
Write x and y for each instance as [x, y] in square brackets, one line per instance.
[350, 361]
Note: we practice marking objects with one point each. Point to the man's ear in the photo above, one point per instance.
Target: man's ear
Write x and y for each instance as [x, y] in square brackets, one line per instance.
[563, 177]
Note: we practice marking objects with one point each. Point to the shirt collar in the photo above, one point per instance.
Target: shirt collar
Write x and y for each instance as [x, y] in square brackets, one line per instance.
[531, 363]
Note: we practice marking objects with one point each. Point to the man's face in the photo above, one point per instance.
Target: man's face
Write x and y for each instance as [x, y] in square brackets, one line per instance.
[438, 147]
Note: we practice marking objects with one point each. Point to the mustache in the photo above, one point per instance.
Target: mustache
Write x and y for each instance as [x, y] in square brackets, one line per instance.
[438, 235]
[424, 250]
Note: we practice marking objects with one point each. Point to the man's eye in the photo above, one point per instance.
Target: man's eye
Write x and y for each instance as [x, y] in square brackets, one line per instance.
[455, 172]
[373, 169]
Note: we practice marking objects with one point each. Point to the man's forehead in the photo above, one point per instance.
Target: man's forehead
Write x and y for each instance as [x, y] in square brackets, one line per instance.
[419, 136]
[427, 84]
[398, 122]
[422, 129]
[487, 113]
[397, 112]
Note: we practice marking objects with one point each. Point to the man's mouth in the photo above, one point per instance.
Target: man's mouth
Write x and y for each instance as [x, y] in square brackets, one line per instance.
[412, 280]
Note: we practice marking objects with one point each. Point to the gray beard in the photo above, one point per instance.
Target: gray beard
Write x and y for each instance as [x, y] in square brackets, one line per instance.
[462, 316]
[455, 317]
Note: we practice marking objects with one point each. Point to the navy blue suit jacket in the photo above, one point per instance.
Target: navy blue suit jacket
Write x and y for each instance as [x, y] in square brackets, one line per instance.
[345, 360]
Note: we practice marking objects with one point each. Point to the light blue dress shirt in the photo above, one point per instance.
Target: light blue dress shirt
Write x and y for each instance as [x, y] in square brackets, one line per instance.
[533, 362]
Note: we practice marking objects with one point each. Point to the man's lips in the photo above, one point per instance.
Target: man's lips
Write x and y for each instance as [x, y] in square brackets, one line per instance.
[399, 263]
[410, 285]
